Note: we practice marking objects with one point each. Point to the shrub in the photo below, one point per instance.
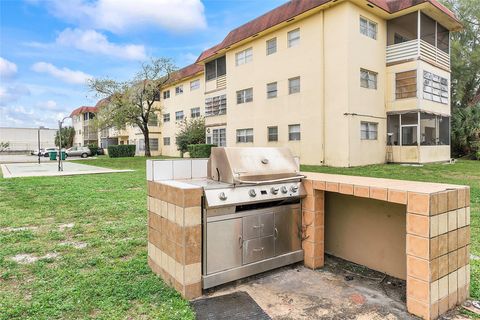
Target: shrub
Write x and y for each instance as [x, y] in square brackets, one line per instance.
[200, 150]
[94, 149]
[120, 151]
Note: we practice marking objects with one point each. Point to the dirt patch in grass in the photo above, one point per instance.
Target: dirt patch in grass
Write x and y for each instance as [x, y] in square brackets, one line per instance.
[76, 245]
[27, 258]
[17, 229]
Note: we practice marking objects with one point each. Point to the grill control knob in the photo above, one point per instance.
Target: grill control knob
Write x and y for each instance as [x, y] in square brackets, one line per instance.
[274, 190]
[222, 196]
[294, 188]
[284, 189]
[252, 193]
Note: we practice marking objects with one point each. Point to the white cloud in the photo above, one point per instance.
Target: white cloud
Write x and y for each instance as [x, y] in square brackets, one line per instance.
[94, 42]
[64, 74]
[123, 15]
[9, 94]
[8, 69]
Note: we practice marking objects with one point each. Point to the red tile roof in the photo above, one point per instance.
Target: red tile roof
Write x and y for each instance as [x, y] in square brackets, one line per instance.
[296, 7]
[186, 72]
[83, 109]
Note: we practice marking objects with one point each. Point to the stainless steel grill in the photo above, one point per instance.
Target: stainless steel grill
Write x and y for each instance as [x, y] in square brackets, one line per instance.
[251, 213]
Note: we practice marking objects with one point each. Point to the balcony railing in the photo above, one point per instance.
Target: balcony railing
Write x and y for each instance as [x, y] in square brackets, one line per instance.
[415, 49]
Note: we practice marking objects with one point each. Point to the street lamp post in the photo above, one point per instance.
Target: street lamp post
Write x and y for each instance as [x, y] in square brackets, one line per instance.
[60, 122]
[38, 136]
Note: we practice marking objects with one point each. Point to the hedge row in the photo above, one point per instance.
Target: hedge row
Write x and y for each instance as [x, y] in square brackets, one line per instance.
[120, 151]
[200, 150]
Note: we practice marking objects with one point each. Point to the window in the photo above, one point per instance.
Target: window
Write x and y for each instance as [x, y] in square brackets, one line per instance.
[166, 117]
[156, 96]
[153, 120]
[244, 96]
[244, 56]
[368, 79]
[179, 115]
[368, 130]
[293, 38]
[368, 28]
[272, 134]
[293, 85]
[406, 84]
[244, 135]
[179, 90]
[194, 85]
[216, 106]
[217, 137]
[141, 145]
[271, 90]
[166, 94]
[294, 132]
[271, 46]
[153, 144]
[88, 116]
[215, 68]
[195, 112]
[166, 141]
[435, 88]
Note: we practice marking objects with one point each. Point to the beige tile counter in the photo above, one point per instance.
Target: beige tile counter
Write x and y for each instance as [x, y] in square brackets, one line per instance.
[437, 233]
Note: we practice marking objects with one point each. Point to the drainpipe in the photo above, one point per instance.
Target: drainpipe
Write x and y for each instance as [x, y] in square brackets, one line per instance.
[323, 87]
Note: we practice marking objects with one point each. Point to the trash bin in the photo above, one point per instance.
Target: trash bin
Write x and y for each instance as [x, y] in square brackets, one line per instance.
[64, 155]
[53, 155]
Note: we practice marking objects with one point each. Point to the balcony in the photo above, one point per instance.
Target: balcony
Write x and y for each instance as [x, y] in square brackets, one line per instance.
[418, 48]
[417, 36]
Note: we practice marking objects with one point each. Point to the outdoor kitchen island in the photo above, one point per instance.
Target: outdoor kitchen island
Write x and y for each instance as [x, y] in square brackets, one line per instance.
[424, 228]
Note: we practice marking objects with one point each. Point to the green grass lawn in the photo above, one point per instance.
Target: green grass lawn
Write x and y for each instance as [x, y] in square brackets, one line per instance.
[109, 278]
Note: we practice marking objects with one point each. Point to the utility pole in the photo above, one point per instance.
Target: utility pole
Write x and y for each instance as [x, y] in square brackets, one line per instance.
[60, 165]
[38, 135]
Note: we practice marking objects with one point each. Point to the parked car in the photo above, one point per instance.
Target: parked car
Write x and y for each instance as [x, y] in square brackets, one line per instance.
[100, 151]
[47, 151]
[79, 152]
[38, 152]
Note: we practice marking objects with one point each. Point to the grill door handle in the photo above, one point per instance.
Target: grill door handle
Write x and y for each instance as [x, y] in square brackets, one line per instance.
[240, 242]
[276, 233]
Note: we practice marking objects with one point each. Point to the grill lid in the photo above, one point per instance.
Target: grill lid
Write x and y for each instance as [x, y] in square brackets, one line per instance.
[252, 165]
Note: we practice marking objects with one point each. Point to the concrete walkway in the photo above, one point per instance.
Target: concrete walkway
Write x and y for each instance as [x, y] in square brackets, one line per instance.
[16, 170]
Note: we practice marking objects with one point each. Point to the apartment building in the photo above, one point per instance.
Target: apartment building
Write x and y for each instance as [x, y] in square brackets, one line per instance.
[340, 82]
[82, 122]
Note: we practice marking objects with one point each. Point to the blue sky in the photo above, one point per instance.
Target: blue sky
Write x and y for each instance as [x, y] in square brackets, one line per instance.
[49, 48]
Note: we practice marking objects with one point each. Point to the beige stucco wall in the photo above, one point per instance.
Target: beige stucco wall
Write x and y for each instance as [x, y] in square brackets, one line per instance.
[366, 231]
[77, 123]
[420, 154]
[182, 102]
[304, 108]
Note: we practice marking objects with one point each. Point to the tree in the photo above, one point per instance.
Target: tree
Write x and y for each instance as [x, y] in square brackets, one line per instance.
[191, 132]
[67, 134]
[132, 102]
[465, 84]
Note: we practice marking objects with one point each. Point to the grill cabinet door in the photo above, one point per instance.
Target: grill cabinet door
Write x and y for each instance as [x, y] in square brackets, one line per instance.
[224, 245]
[288, 223]
[258, 249]
[257, 226]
